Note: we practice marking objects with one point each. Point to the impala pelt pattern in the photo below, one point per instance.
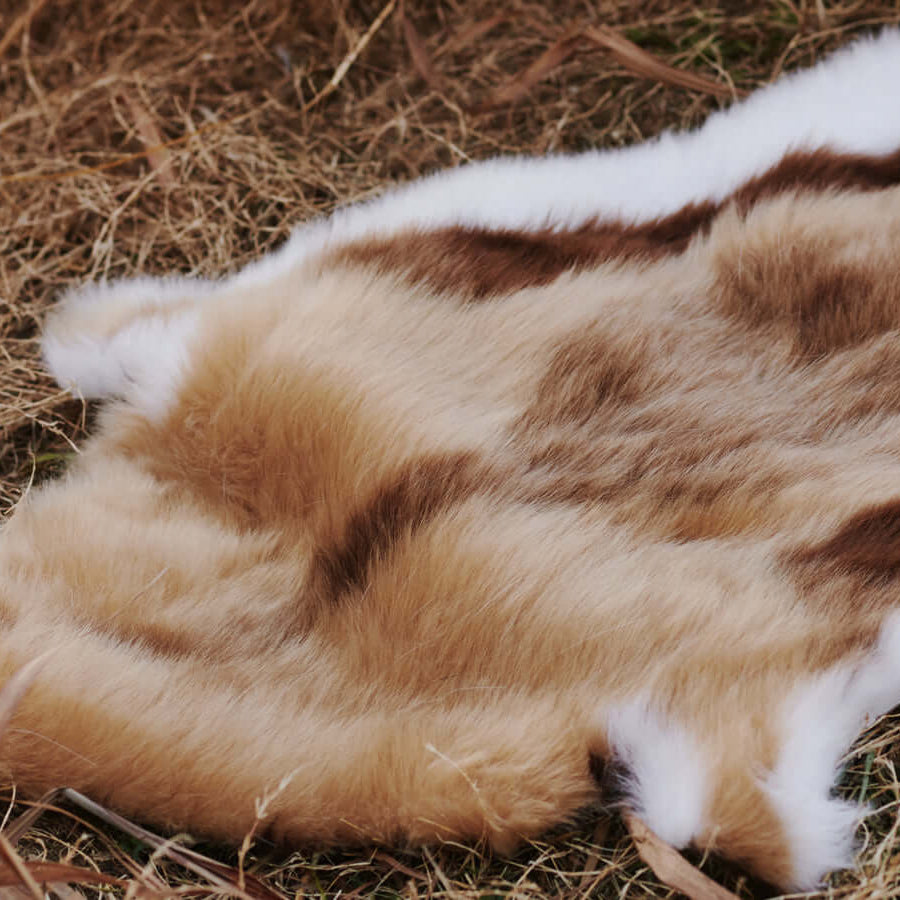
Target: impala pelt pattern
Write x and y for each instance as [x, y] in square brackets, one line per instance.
[528, 471]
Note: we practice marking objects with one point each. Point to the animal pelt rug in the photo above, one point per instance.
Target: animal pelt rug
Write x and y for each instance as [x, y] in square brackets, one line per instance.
[532, 485]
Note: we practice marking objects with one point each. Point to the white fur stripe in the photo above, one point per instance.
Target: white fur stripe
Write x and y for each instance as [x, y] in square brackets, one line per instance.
[819, 721]
[667, 786]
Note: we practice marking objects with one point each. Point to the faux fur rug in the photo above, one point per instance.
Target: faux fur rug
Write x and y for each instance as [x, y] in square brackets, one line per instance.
[536, 484]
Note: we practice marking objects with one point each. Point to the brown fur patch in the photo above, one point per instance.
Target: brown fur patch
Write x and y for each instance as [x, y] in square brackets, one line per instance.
[478, 263]
[587, 373]
[406, 501]
[869, 543]
[862, 557]
[161, 639]
[821, 170]
[800, 295]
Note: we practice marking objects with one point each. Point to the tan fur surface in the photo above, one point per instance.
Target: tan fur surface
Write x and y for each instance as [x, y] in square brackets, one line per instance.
[394, 555]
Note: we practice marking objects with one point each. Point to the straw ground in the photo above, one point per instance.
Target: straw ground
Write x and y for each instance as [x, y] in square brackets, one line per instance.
[144, 135]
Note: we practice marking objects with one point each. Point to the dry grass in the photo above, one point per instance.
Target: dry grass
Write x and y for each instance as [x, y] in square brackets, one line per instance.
[146, 135]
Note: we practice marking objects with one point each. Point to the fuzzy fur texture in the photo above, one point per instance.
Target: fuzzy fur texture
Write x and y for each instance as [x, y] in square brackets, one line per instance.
[418, 548]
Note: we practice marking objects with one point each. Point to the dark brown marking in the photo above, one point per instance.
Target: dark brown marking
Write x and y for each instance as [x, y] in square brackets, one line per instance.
[854, 574]
[415, 494]
[806, 297]
[587, 373]
[867, 546]
[479, 263]
[821, 170]
[165, 641]
[684, 477]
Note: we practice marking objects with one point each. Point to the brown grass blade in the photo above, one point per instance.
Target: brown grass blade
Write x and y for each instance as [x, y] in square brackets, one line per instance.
[627, 53]
[55, 873]
[420, 58]
[671, 867]
[158, 155]
[472, 33]
[521, 84]
[398, 866]
[216, 873]
[598, 839]
[645, 64]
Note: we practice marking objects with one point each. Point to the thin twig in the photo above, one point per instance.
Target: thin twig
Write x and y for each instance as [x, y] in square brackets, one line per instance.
[347, 62]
